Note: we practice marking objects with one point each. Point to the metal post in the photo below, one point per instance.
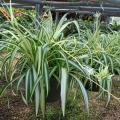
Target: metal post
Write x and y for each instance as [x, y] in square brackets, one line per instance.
[39, 9]
[56, 17]
[108, 22]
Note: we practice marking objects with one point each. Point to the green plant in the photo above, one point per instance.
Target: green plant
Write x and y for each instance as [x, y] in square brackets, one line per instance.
[100, 50]
[40, 54]
[35, 56]
[105, 81]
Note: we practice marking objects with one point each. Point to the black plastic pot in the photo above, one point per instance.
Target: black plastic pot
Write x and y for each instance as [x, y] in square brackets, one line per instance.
[91, 87]
[54, 93]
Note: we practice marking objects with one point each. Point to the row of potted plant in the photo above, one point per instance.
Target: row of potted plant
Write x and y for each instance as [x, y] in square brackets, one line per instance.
[44, 61]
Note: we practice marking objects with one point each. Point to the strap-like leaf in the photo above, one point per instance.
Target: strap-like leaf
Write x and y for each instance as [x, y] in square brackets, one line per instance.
[64, 86]
[84, 93]
[37, 92]
[46, 76]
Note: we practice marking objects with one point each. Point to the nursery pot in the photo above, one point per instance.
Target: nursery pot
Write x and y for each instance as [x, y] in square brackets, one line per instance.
[54, 92]
[91, 86]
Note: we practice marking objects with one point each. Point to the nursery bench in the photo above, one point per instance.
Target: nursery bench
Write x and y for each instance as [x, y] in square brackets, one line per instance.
[105, 7]
[109, 7]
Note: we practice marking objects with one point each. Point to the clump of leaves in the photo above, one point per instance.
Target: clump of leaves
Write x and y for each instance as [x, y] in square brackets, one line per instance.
[39, 55]
[105, 82]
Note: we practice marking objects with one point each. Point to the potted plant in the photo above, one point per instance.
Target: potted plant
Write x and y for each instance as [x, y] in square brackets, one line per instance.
[45, 60]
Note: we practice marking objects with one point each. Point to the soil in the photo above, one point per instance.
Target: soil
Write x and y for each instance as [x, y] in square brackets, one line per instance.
[13, 108]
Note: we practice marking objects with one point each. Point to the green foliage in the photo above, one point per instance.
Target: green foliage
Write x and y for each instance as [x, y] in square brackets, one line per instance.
[105, 81]
[40, 54]
[32, 57]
